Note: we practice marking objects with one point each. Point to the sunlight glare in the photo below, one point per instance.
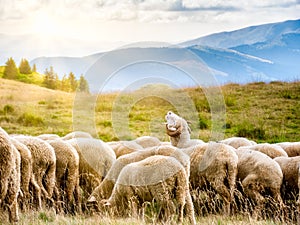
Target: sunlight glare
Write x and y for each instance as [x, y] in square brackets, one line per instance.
[44, 24]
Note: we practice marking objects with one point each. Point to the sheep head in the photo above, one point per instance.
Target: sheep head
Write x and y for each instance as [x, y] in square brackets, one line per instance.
[174, 124]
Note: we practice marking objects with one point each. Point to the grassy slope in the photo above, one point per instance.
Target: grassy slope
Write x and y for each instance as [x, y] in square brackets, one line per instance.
[259, 111]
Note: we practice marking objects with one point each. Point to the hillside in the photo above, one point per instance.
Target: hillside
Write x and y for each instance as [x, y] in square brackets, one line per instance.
[259, 111]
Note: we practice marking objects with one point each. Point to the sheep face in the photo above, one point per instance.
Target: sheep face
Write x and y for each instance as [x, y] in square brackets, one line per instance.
[175, 124]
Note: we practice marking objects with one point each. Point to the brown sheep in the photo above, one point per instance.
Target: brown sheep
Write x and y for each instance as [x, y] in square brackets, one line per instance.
[67, 174]
[157, 178]
[44, 166]
[10, 176]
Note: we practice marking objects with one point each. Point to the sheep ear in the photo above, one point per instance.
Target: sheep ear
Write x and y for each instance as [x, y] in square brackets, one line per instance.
[189, 129]
[189, 122]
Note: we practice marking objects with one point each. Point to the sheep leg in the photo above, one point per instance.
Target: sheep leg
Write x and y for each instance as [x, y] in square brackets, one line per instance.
[50, 180]
[222, 190]
[37, 191]
[190, 208]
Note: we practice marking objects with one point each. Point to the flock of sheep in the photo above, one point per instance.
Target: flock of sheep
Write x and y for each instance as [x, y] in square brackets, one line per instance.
[76, 173]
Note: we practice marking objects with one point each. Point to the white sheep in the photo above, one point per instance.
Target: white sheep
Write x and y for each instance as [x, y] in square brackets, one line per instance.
[67, 174]
[237, 142]
[214, 165]
[157, 178]
[10, 176]
[77, 134]
[125, 147]
[104, 190]
[95, 159]
[258, 173]
[271, 150]
[180, 137]
[147, 141]
[291, 148]
[48, 137]
[44, 166]
[290, 167]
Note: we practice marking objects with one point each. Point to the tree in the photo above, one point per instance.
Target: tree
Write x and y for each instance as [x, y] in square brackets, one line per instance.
[73, 82]
[50, 78]
[25, 67]
[10, 70]
[65, 84]
[34, 68]
[83, 85]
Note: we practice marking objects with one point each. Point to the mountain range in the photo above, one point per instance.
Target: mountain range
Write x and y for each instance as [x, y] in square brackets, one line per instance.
[266, 52]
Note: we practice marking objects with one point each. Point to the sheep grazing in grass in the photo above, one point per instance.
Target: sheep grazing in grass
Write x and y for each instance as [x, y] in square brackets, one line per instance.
[147, 141]
[95, 160]
[290, 167]
[214, 165]
[259, 174]
[26, 173]
[160, 179]
[43, 167]
[126, 147]
[291, 148]
[179, 131]
[237, 142]
[67, 175]
[104, 190]
[77, 134]
[10, 176]
[271, 150]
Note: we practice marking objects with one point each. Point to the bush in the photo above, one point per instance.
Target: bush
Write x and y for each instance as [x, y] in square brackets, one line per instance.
[28, 119]
[8, 109]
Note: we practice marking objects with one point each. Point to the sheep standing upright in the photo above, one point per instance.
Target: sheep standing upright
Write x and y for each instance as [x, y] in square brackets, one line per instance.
[44, 166]
[67, 175]
[157, 178]
[179, 132]
[9, 176]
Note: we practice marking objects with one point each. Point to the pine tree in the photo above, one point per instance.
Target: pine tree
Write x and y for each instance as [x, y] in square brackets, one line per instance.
[50, 78]
[10, 70]
[83, 85]
[65, 84]
[72, 81]
[24, 67]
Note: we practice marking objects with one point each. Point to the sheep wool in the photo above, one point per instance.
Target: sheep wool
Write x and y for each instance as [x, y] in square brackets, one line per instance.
[77, 134]
[160, 178]
[44, 164]
[10, 176]
[237, 142]
[271, 150]
[147, 141]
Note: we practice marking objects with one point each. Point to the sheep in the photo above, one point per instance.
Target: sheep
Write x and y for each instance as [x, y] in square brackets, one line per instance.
[180, 137]
[10, 176]
[237, 142]
[43, 166]
[147, 141]
[26, 172]
[47, 137]
[67, 174]
[77, 134]
[291, 148]
[95, 160]
[157, 178]
[290, 167]
[214, 165]
[271, 150]
[126, 147]
[259, 174]
[104, 190]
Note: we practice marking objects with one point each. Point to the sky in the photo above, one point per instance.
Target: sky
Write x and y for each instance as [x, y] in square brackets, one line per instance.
[111, 23]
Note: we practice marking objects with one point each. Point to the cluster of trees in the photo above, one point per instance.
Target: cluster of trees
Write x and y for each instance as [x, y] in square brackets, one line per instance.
[50, 78]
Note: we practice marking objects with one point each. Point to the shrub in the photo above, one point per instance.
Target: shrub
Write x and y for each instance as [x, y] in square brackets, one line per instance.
[28, 119]
[8, 109]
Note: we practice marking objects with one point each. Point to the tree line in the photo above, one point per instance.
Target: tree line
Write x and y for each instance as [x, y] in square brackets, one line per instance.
[50, 79]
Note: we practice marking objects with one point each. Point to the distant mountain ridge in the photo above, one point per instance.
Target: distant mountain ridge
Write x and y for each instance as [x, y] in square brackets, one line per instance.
[258, 53]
